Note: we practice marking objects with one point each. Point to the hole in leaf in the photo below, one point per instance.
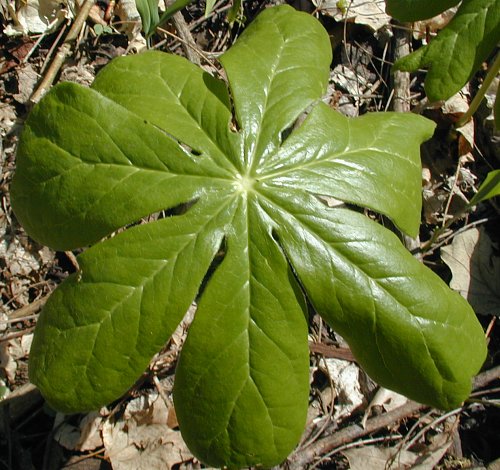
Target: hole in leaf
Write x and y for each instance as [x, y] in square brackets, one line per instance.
[285, 133]
[234, 125]
[329, 201]
[180, 209]
[218, 258]
[189, 149]
[177, 210]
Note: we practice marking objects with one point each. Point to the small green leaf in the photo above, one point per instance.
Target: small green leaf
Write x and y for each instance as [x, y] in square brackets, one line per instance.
[209, 6]
[458, 50]
[488, 189]
[148, 9]
[172, 9]
[234, 12]
[242, 230]
[414, 10]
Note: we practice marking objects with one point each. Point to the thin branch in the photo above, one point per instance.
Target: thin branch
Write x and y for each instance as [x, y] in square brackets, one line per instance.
[304, 456]
[63, 52]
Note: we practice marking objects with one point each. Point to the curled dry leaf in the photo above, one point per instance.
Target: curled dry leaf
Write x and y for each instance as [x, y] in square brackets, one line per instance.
[142, 440]
[27, 78]
[345, 377]
[371, 14]
[39, 16]
[84, 437]
[475, 265]
[421, 29]
[7, 119]
[8, 365]
[385, 398]
[20, 261]
[379, 458]
[11, 352]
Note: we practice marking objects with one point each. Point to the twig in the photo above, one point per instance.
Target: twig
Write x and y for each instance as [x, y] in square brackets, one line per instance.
[355, 431]
[350, 445]
[486, 377]
[17, 334]
[28, 311]
[401, 80]
[300, 458]
[53, 47]
[188, 43]
[433, 244]
[63, 52]
[332, 351]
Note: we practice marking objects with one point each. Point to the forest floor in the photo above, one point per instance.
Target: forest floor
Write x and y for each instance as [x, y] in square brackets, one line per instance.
[351, 423]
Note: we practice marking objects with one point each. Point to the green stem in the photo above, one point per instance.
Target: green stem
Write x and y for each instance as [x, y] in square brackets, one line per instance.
[492, 73]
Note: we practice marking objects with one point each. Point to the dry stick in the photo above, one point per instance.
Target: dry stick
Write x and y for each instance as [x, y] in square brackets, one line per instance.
[401, 80]
[355, 431]
[401, 100]
[63, 52]
[332, 351]
[486, 377]
[28, 311]
[16, 334]
[188, 43]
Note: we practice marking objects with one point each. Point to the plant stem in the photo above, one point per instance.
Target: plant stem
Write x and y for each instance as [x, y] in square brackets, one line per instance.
[492, 73]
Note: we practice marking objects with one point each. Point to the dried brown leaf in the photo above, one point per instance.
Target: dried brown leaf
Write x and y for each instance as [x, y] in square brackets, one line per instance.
[475, 265]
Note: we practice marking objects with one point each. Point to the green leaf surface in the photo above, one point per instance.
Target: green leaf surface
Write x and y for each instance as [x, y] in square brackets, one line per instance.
[148, 9]
[242, 230]
[414, 10]
[102, 326]
[252, 311]
[209, 6]
[117, 151]
[458, 50]
[358, 163]
[488, 189]
[333, 251]
[273, 78]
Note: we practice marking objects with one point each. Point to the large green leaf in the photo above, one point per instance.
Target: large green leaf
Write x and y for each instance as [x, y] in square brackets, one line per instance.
[458, 50]
[245, 232]
[414, 10]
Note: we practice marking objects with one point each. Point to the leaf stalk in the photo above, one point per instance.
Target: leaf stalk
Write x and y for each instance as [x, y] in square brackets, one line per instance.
[492, 73]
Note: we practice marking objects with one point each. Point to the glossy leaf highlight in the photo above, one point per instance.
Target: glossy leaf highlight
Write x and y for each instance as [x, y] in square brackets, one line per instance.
[243, 230]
